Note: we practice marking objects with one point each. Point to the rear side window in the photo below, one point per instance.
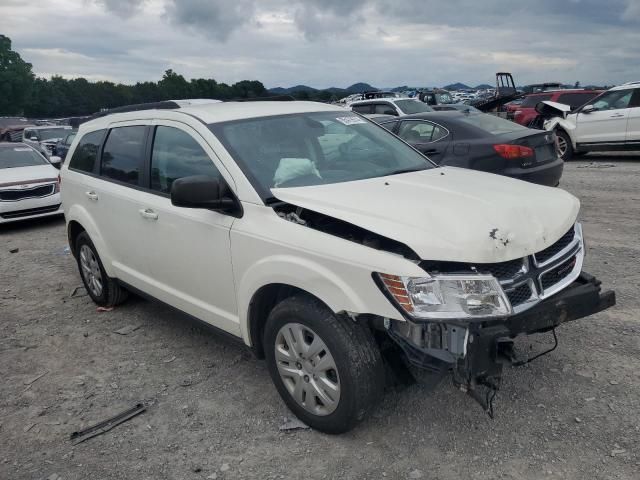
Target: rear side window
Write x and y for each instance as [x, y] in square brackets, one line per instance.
[361, 108]
[413, 131]
[85, 154]
[533, 100]
[575, 100]
[385, 109]
[123, 154]
[176, 154]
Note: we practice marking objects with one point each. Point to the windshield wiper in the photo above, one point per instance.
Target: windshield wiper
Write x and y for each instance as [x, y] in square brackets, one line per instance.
[406, 170]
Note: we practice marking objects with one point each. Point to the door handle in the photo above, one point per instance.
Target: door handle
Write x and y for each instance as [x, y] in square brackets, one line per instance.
[431, 152]
[91, 195]
[618, 115]
[148, 214]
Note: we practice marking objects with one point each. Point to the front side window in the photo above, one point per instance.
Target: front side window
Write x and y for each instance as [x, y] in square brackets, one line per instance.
[176, 154]
[123, 154]
[575, 100]
[313, 149]
[414, 131]
[85, 154]
[17, 156]
[613, 100]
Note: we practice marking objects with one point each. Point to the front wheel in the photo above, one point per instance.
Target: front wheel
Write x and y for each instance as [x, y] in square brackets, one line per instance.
[565, 147]
[328, 370]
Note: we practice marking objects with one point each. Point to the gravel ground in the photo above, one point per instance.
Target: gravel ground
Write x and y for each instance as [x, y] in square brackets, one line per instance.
[213, 412]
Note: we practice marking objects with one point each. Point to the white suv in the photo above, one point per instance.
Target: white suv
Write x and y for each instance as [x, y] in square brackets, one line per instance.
[325, 243]
[610, 122]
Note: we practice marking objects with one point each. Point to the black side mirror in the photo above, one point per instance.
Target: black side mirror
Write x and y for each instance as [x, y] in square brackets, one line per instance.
[201, 191]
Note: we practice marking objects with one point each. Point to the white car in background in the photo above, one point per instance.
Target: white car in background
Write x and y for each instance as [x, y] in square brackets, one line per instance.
[29, 184]
[610, 122]
[390, 106]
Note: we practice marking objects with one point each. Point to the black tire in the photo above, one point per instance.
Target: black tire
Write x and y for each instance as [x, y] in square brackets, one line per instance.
[112, 293]
[568, 153]
[357, 358]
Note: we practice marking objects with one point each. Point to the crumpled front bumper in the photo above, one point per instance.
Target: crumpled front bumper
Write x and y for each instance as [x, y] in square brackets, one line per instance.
[477, 351]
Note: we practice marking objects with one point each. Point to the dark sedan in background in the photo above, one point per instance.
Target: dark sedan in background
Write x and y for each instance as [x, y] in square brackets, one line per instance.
[481, 142]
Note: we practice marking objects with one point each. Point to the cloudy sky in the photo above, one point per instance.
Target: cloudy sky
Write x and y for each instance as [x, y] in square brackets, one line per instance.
[326, 43]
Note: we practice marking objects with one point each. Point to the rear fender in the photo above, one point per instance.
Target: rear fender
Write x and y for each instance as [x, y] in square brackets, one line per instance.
[79, 214]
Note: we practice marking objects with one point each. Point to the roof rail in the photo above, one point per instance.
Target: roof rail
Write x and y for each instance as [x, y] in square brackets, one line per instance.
[275, 98]
[163, 105]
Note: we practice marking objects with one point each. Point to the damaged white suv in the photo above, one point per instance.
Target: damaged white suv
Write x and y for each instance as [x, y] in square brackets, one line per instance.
[324, 242]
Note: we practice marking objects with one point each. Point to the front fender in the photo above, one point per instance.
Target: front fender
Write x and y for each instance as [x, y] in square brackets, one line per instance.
[562, 124]
[331, 287]
[79, 214]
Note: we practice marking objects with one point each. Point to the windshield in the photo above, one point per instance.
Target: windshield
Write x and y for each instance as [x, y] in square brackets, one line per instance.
[49, 133]
[491, 123]
[413, 106]
[444, 98]
[314, 149]
[14, 157]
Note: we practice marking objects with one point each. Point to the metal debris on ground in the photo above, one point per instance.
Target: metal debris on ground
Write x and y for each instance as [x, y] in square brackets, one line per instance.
[597, 165]
[14, 250]
[104, 309]
[33, 380]
[106, 425]
[292, 424]
[79, 291]
[126, 330]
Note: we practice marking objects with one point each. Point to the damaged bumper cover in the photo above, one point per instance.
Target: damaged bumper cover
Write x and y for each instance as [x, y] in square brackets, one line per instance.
[476, 350]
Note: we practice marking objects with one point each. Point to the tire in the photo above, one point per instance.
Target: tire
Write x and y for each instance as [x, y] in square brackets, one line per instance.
[110, 292]
[350, 391]
[565, 148]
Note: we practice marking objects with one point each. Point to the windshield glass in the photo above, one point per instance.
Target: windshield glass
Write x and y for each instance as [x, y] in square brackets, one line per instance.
[413, 106]
[49, 133]
[14, 157]
[491, 123]
[314, 149]
[444, 98]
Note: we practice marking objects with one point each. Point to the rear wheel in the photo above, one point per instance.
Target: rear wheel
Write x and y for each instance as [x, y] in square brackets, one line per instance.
[565, 148]
[103, 290]
[327, 370]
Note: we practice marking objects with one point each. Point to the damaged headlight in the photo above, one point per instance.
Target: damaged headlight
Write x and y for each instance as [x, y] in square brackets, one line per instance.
[447, 296]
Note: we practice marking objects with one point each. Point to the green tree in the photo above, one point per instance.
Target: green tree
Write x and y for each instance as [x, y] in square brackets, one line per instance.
[15, 79]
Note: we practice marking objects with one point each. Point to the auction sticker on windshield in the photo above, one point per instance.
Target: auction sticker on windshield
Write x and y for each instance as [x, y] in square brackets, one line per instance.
[350, 120]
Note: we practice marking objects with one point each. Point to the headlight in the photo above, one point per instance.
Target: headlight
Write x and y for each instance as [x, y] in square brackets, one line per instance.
[447, 296]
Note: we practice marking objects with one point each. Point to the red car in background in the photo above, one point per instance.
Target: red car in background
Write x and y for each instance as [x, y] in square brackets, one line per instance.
[526, 111]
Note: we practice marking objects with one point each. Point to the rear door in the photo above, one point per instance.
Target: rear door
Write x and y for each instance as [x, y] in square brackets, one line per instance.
[608, 123]
[427, 137]
[116, 199]
[190, 256]
[633, 122]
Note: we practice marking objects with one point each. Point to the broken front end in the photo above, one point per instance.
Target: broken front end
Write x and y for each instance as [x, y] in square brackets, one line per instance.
[463, 317]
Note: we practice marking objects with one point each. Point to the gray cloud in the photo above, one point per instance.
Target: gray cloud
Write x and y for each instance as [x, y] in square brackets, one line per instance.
[122, 8]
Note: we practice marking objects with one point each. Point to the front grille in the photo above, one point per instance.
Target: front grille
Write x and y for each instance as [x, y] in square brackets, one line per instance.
[519, 295]
[36, 192]
[557, 247]
[29, 211]
[502, 270]
[557, 274]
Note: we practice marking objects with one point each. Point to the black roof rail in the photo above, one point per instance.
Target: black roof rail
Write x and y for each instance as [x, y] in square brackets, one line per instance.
[274, 98]
[164, 105]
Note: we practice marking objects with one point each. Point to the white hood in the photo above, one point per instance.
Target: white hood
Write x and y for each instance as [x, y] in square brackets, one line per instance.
[448, 214]
[35, 174]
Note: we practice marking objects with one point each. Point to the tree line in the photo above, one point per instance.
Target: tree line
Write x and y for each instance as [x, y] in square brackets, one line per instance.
[22, 93]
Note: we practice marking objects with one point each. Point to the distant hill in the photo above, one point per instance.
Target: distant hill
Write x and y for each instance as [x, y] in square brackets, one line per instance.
[355, 88]
[484, 86]
[457, 86]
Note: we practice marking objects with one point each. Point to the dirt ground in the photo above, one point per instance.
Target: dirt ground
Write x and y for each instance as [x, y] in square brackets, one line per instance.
[213, 412]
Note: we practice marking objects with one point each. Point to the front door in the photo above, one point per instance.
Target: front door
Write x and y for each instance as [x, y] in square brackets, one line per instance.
[608, 123]
[189, 249]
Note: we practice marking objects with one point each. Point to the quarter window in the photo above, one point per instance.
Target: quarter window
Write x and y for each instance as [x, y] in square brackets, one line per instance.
[421, 132]
[176, 154]
[85, 154]
[123, 154]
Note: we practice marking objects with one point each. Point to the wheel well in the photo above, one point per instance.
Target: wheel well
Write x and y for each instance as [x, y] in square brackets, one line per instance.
[260, 307]
[73, 230]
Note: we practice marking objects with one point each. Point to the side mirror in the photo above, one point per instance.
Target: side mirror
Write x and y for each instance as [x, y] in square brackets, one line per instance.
[33, 139]
[588, 109]
[200, 191]
[55, 161]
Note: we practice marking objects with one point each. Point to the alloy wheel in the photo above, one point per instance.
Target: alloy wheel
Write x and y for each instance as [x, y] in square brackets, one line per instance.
[91, 270]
